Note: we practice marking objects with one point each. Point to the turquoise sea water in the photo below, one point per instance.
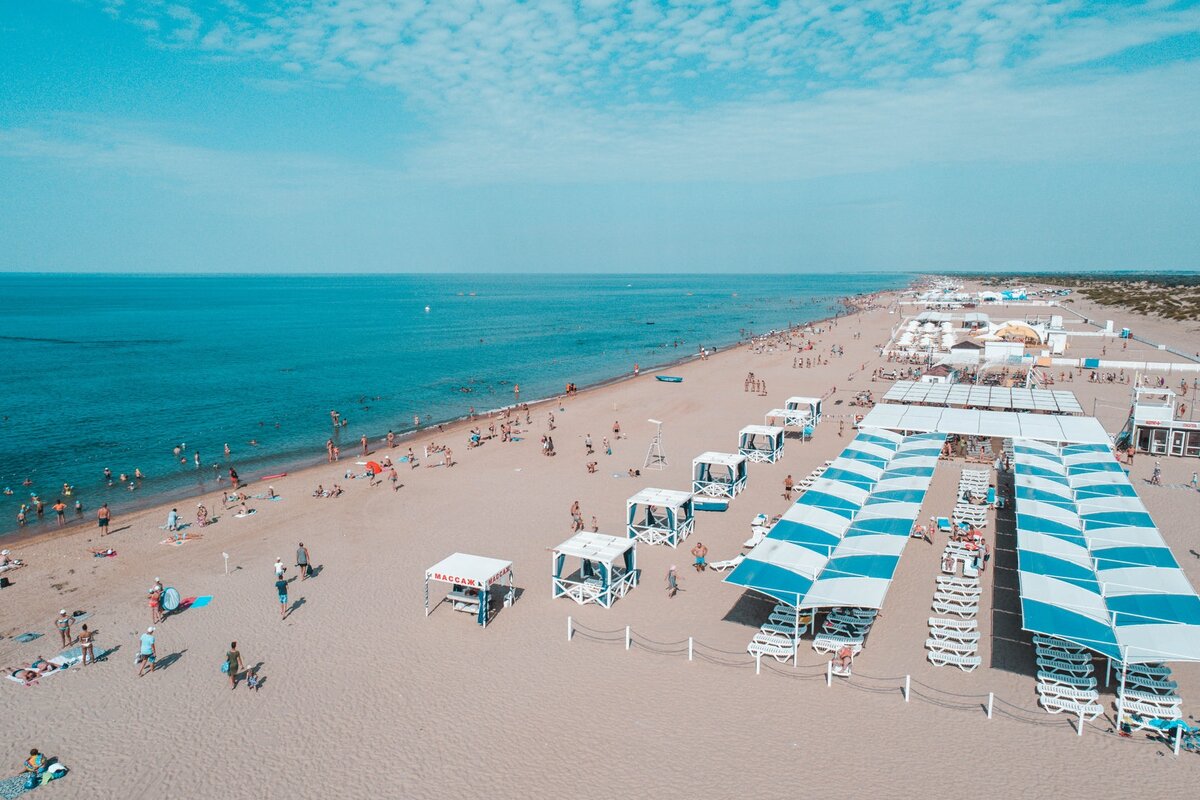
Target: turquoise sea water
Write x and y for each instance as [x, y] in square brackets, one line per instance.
[115, 371]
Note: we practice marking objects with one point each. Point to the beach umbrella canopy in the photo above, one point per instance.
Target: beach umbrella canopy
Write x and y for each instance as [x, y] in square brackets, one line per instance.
[373, 466]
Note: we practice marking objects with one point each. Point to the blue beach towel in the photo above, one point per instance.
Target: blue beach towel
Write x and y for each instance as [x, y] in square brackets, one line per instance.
[27, 637]
[201, 602]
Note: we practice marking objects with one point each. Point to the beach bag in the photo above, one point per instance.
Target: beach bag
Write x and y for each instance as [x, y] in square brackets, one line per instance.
[225, 667]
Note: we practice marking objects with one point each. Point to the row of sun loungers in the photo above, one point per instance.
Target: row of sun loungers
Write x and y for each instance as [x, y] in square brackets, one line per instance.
[844, 627]
[954, 633]
[779, 636]
[965, 514]
[1149, 694]
[1066, 682]
[802, 486]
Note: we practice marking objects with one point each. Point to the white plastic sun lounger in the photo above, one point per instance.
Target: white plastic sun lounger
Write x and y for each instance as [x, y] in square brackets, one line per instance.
[1151, 685]
[780, 648]
[948, 646]
[1068, 692]
[953, 624]
[1081, 682]
[1151, 698]
[1052, 654]
[949, 634]
[965, 663]
[963, 610]
[1053, 641]
[756, 537]
[1148, 710]
[1148, 670]
[951, 593]
[957, 583]
[1066, 667]
[828, 643]
[1057, 705]
[730, 563]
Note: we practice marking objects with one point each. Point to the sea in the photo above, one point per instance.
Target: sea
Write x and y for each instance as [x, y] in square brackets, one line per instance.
[117, 371]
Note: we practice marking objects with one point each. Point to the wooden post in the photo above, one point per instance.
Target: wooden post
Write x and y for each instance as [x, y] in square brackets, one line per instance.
[758, 663]
[829, 673]
[907, 686]
[627, 637]
[991, 699]
[569, 631]
[689, 648]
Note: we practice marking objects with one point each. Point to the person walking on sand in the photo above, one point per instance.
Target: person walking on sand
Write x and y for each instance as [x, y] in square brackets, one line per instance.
[281, 586]
[788, 485]
[700, 552]
[147, 652]
[87, 645]
[394, 478]
[102, 519]
[617, 429]
[672, 582]
[302, 563]
[279, 568]
[587, 444]
[607, 446]
[63, 623]
[233, 664]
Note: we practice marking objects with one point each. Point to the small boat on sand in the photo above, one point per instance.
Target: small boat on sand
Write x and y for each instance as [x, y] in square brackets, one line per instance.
[711, 504]
[669, 378]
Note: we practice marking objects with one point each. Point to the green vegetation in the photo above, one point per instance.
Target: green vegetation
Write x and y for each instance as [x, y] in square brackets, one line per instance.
[1174, 296]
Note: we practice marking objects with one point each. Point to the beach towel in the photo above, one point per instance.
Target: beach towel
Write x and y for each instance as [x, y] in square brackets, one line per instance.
[199, 602]
[11, 788]
[59, 662]
[247, 514]
[27, 637]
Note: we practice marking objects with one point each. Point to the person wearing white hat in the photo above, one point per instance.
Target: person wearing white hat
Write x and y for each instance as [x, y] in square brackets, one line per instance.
[146, 652]
[672, 582]
[63, 623]
[155, 600]
[279, 568]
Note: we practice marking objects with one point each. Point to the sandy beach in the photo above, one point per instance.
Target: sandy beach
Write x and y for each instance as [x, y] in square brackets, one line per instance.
[362, 695]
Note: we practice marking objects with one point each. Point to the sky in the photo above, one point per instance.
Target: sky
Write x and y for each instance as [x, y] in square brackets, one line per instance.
[598, 136]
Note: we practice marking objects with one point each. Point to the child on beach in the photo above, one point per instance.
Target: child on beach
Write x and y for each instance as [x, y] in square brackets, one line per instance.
[672, 582]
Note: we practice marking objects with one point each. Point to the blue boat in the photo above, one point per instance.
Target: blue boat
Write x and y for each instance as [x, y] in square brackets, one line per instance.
[669, 378]
[710, 504]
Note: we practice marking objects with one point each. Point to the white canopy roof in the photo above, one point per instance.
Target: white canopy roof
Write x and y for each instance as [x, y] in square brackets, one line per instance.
[467, 570]
[723, 459]
[1016, 425]
[663, 498]
[762, 430]
[999, 398]
[595, 547]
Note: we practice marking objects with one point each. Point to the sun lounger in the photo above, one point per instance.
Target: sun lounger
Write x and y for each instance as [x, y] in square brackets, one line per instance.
[958, 609]
[943, 525]
[1051, 654]
[952, 593]
[1054, 641]
[1068, 692]
[950, 646]
[777, 629]
[1065, 667]
[1078, 681]
[958, 583]
[949, 634]
[721, 566]
[1148, 710]
[965, 663]
[780, 648]
[953, 624]
[1151, 698]
[1058, 705]
[828, 643]
[856, 613]
[1148, 670]
[1151, 685]
[756, 538]
[758, 522]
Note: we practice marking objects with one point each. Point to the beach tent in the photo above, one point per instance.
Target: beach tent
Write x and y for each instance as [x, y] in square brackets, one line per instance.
[797, 412]
[761, 443]
[608, 568]
[661, 516]
[719, 474]
[471, 579]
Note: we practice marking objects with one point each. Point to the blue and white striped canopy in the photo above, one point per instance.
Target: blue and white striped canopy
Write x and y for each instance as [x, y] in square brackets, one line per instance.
[1093, 567]
[840, 543]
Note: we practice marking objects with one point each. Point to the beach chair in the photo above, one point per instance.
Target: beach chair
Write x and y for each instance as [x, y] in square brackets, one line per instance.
[1078, 681]
[1068, 692]
[756, 537]
[957, 583]
[965, 663]
[1149, 671]
[1052, 654]
[727, 564]
[828, 643]
[1166, 701]
[956, 608]
[1150, 711]
[1057, 705]
[1065, 667]
[758, 522]
[951, 635]
[952, 593]
[943, 525]
[951, 646]
[953, 624]
[1054, 641]
[1151, 685]
[780, 648]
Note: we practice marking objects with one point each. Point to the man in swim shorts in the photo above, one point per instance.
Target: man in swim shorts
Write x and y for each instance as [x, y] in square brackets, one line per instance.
[146, 652]
[102, 518]
[281, 586]
[700, 552]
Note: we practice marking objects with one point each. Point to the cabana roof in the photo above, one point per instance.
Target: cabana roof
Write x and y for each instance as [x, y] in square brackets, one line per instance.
[761, 430]
[595, 547]
[663, 498]
[468, 570]
[722, 459]
[991, 398]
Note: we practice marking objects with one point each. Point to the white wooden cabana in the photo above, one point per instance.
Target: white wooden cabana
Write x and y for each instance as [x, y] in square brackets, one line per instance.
[797, 413]
[761, 443]
[719, 474]
[471, 579]
[607, 570]
[661, 516]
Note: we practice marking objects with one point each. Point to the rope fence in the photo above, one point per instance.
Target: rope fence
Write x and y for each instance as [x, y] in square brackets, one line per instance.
[903, 686]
